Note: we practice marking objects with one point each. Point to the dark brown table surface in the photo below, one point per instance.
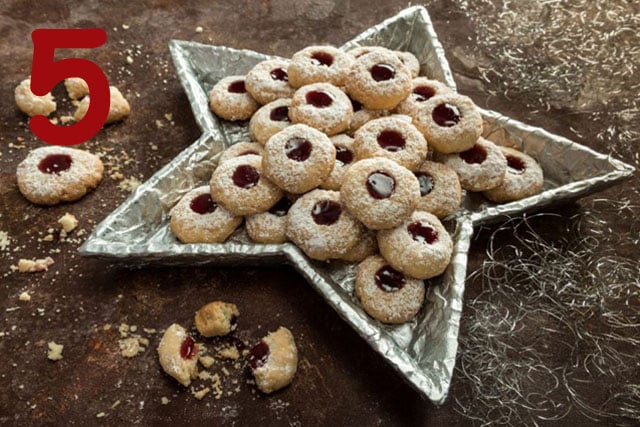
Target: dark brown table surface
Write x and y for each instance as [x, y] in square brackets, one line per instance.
[550, 323]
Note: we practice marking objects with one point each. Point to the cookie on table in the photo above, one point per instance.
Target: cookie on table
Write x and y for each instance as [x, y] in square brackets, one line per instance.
[298, 158]
[440, 190]
[385, 293]
[240, 185]
[420, 247]
[269, 80]
[178, 354]
[362, 115]
[480, 168]
[274, 360]
[196, 218]
[450, 122]
[31, 104]
[270, 226]
[379, 192]
[392, 138]
[524, 178]
[119, 108]
[53, 174]
[316, 64]
[216, 319]
[322, 106]
[270, 119]
[230, 100]
[345, 156]
[239, 149]
[422, 89]
[319, 225]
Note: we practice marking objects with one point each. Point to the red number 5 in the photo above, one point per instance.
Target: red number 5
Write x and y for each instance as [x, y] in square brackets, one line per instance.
[46, 73]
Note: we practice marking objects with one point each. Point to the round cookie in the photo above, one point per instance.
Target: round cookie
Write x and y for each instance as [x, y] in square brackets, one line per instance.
[385, 293]
[240, 185]
[315, 64]
[216, 319]
[31, 104]
[392, 138]
[410, 61]
[367, 245]
[345, 156]
[298, 158]
[379, 80]
[50, 175]
[270, 119]
[361, 116]
[440, 191]
[269, 80]
[274, 360]
[480, 168]
[269, 226]
[118, 107]
[241, 149]
[379, 192]
[319, 225]
[196, 218]
[524, 178]
[450, 122]
[420, 247]
[322, 106]
[230, 100]
[422, 89]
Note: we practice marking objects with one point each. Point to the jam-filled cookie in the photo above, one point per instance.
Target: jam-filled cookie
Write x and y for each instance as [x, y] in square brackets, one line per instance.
[31, 104]
[240, 185]
[241, 149]
[380, 192]
[274, 360]
[269, 80]
[440, 191]
[322, 106]
[385, 293]
[524, 178]
[196, 218]
[420, 247]
[178, 354]
[230, 100]
[50, 175]
[319, 225]
[362, 115]
[367, 245]
[450, 122]
[315, 64]
[270, 119]
[345, 156]
[422, 89]
[480, 168]
[379, 80]
[119, 107]
[392, 138]
[270, 226]
[298, 158]
[216, 319]
[410, 61]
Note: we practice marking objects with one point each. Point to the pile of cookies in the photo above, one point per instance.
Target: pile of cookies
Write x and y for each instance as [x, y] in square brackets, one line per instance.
[339, 165]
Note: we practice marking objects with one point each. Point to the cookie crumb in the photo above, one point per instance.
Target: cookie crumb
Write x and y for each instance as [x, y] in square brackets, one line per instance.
[101, 415]
[125, 26]
[115, 404]
[31, 266]
[199, 29]
[25, 296]
[164, 400]
[206, 361]
[69, 222]
[200, 394]
[129, 59]
[230, 352]
[5, 240]
[66, 119]
[129, 347]
[129, 184]
[55, 351]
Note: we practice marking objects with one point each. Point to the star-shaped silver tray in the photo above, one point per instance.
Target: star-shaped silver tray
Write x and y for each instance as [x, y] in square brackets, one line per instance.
[423, 351]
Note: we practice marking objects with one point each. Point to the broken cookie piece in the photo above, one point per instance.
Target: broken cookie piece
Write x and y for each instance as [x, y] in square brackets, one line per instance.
[31, 104]
[178, 354]
[274, 360]
[118, 107]
[76, 87]
[217, 318]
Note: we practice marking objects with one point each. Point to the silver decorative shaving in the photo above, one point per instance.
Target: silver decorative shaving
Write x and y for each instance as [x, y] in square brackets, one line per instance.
[422, 351]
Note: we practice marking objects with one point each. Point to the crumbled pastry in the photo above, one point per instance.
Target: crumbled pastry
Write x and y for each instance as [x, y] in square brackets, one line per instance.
[216, 318]
[31, 104]
[178, 354]
[33, 266]
[25, 297]
[68, 222]
[55, 351]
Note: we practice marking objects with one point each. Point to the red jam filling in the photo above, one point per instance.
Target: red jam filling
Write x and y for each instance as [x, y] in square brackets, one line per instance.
[446, 115]
[422, 93]
[391, 140]
[188, 348]
[322, 58]
[426, 183]
[203, 204]
[476, 154]
[422, 233]
[344, 155]
[281, 208]
[245, 176]
[326, 212]
[382, 72]
[258, 355]
[298, 149]
[279, 74]
[319, 99]
[55, 163]
[237, 87]
[389, 279]
[515, 165]
[380, 185]
[280, 114]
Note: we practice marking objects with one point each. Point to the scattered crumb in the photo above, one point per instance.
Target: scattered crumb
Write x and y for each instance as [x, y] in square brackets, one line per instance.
[199, 29]
[225, 371]
[101, 415]
[206, 361]
[159, 124]
[230, 352]
[30, 266]
[69, 222]
[55, 351]
[115, 404]
[54, 121]
[164, 400]
[124, 330]
[10, 309]
[129, 184]
[4, 240]
[66, 119]
[125, 26]
[201, 393]
[25, 296]
[129, 59]
[129, 347]
[168, 116]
